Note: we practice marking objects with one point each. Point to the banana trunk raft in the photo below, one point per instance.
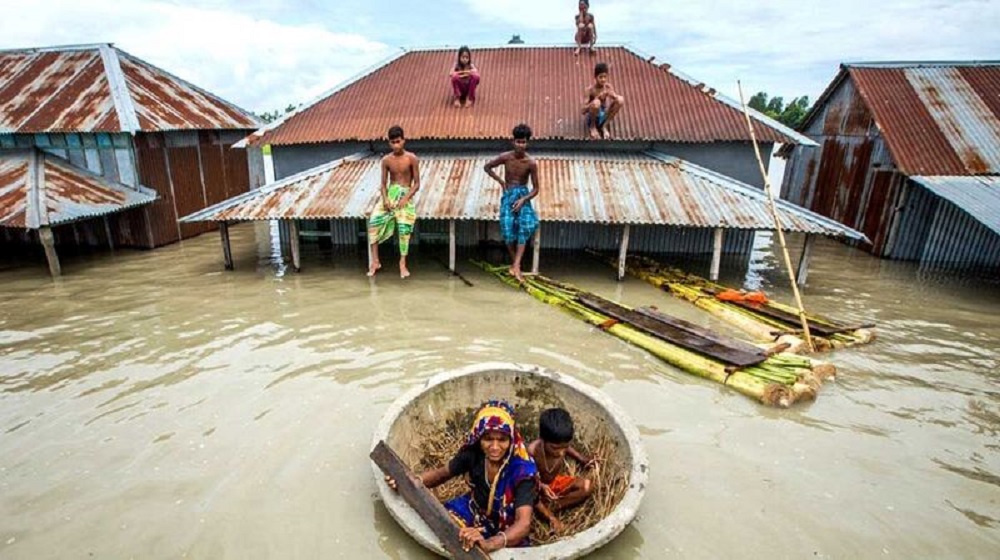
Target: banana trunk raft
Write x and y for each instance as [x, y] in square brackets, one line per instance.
[766, 321]
[761, 372]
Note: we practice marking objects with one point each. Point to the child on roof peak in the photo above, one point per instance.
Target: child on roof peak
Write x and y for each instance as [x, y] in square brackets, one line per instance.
[603, 103]
[464, 79]
[586, 29]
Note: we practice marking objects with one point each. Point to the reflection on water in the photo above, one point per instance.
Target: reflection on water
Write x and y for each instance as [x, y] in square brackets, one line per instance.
[153, 405]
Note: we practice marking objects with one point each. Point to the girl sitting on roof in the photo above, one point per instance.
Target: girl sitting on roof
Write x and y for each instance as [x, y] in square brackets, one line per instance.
[503, 479]
[464, 79]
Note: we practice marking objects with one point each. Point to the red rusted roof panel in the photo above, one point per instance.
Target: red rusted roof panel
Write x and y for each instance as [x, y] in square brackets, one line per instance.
[937, 118]
[71, 90]
[542, 86]
[65, 193]
[163, 102]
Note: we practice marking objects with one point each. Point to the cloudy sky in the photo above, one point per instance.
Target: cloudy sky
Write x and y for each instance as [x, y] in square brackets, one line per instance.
[265, 54]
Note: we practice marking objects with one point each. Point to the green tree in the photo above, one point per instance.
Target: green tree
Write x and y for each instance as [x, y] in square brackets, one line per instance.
[271, 116]
[789, 115]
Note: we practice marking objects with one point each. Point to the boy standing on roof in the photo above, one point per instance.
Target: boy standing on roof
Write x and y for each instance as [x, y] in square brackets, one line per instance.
[395, 210]
[603, 103]
[517, 218]
[586, 29]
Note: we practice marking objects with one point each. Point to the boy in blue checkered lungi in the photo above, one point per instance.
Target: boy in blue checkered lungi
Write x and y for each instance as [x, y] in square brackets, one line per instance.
[518, 220]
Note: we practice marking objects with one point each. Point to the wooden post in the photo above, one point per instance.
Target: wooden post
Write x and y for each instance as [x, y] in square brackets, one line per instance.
[107, 232]
[227, 252]
[537, 249]
[49, 244]
[451, 245]
[803, 269]
[293, 239]
[623, 253]
[716, 255]
[424, 503]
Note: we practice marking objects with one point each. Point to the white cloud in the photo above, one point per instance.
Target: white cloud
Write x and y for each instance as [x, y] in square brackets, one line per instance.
[257, 63]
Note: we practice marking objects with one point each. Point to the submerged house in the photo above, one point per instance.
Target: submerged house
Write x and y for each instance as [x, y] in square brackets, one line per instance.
[910, 155]
[680, 174]
[99, 147]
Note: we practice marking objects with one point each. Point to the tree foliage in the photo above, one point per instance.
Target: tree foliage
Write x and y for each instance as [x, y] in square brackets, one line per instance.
[789, 115]
[271, 116]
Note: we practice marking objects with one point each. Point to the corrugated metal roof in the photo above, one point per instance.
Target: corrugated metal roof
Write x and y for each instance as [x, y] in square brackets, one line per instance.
[593, 187]
[39, 189]
[542, 86]
[98, 88]
[978, 196]
[937, 118]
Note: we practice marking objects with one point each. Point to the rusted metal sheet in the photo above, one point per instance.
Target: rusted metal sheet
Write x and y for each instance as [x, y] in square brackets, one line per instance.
[97, 88]
[542, 86]
[977, 196]
[165, 102]
[934, 119]
[590, 187]
[37, 189]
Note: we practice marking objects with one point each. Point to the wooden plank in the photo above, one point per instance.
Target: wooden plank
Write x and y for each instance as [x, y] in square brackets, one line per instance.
[426, 505]
[49, 244]
[451, 245]
[227, 251]
[293, 235]
[803, 270]
[672, 334]
[822, 329]
[697, 330]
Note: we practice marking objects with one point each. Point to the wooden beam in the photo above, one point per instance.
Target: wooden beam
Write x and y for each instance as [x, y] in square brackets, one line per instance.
[293, 239]
[716, 254]
[227, 252]
[451, 245]
[536, 249]
[423, 502]
[803, 269]
[49, 244]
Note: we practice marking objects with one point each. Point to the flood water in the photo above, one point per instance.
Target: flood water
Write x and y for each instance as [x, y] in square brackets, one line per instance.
[154, 406]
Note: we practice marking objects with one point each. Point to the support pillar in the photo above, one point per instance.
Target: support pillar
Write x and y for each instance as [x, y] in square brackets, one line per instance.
[803, 270]
[107, 233]
[227, 252]
[623, 253]
[451, 245]
[49, 244]
[536, 249]
[293, 239]
[716, 255]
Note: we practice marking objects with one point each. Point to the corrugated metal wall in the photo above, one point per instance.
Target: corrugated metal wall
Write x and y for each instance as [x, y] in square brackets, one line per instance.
[645, 239]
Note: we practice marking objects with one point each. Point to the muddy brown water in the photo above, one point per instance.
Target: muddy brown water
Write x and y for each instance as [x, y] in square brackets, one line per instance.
[155, 406]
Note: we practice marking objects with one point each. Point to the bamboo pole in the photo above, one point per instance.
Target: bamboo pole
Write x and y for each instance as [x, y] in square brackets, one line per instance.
[777, 224]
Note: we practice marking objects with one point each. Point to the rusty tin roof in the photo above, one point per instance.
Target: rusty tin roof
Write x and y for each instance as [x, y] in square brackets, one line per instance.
[938, 118]
[590, 187]
[99, 88]
[542, 86]
[39, 189]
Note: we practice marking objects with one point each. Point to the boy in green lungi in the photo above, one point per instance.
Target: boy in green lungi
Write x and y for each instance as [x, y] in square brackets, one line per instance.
[395, 210]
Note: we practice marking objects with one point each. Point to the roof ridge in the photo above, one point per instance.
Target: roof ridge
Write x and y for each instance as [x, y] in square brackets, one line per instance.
[919, 63]
[56, 48]
[121, 95]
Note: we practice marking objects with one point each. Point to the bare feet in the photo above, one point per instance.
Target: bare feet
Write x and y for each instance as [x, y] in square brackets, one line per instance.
[403, 271]
[592, 51]
[470, 104]
[605, 134]
[516, 273]
[594, 135]
[457, 104]
[556, 525]
[374, 268]
[576, 52]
